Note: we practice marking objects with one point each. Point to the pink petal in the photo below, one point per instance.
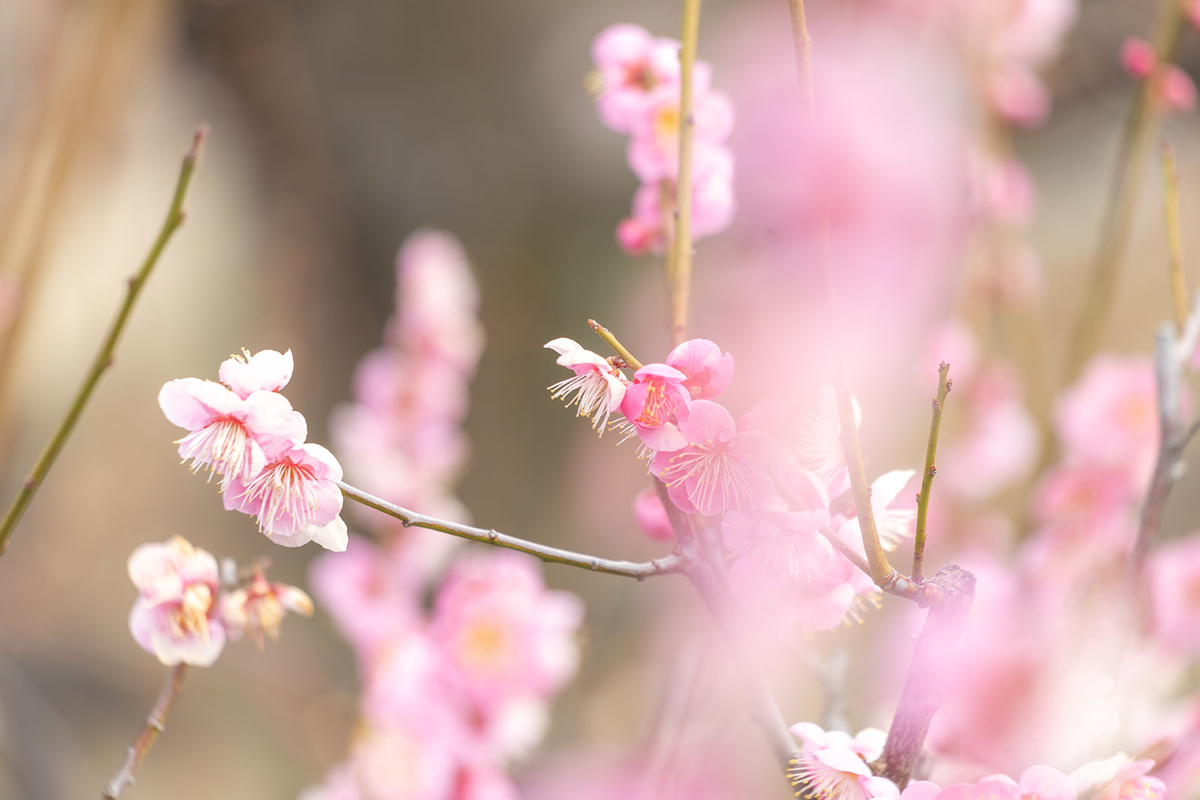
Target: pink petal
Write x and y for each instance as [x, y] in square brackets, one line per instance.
[266, 370]
[708, 422]
[193, 404]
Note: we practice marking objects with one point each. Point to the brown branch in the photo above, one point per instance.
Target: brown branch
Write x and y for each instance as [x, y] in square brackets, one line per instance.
[922, 696]
[155, 724]
[553, 555]
[944, 384]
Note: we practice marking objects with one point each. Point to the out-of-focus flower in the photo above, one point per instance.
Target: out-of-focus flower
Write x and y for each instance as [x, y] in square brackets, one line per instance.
[1119, 778]
[652, 516]
[1138, 57]
[1178, 89]
[632, 64]
[503, 633]
[1174, 581]
[1044, 783]
[597, 388]
[229, 431]
[720, 469]
[834, 765]
[295, 497]
[258, 607]
[1110, 416]
[175, 616]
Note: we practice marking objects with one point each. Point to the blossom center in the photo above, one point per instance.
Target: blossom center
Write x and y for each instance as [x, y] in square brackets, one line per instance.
[285, 489]
[658, 405]
[221, 446]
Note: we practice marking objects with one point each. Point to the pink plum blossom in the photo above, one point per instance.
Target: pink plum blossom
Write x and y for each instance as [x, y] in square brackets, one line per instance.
[720, 469]
[176, 614]
[503, 633]
[1174, 581]
[295, 497]
[653, 151]
[229, 432]
[1138, 57]
[1178, 90]
[631, 64]
[708, 372]
[439, 301]
[597, 389]
[834, 765]
[266, 371]
[372, 595]
[656, 397]
[1037, 783]
[713, 204]
[258, 608]
[652, 517]
[1119, 778]
[1110, 416]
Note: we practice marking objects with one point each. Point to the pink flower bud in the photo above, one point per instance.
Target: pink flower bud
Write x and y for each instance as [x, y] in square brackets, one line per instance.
[1138, 57]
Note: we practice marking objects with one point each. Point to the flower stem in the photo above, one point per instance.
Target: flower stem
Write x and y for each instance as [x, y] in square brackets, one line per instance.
[607, 335]
[944, 384]
[104, 357]
[681, 259]
[155, 724]
[551, 555]
[1117, 227]
[1179, 292]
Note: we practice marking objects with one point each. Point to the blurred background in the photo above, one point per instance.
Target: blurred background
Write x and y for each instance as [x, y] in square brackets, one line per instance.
[337, 130]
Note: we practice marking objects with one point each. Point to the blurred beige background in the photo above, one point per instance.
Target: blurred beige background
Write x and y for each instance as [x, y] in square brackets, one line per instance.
[339, 128]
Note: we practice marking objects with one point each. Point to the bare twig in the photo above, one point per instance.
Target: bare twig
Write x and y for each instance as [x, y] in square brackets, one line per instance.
[944, 384]
[680, 265]
[1179, 293]
[921, 696]
[155, 724]
[607, 335]
[553, 555]
[104, 357]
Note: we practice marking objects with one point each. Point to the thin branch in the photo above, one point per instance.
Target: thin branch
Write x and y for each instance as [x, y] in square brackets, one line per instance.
[104, 358]
[681, 259]
[607, 335]
[552, 555]
[1179, 294]
[707, 571]
[1172, 438]
[921, 696]
[156, 723]
[881, 570]
[1117, 226]
[944, 384]
[843, 548]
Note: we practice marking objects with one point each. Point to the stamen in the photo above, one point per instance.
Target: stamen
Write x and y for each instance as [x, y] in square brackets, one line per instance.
[221, 446]
[284, 490]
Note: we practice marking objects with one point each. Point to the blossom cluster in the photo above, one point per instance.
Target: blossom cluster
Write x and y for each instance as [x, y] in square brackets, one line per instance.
[452, 695]
[401, 438]
[452, 692]
[773, 478]
[832, 764]
[185, 612]
[244, 430]
[639, 95]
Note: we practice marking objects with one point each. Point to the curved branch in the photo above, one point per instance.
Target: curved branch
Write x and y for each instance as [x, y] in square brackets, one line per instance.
[155, 724]
[551, 555]
[104, 357]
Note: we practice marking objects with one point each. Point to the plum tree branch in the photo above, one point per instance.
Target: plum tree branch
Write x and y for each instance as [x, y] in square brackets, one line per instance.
[553, 555]
[104, 357]
[155, 724]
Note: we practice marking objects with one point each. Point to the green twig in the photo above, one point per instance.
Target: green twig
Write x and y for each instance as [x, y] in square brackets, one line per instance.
[104, 358]
[944, 384]
[681, 258]
[607, 335]
[1179, 291]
